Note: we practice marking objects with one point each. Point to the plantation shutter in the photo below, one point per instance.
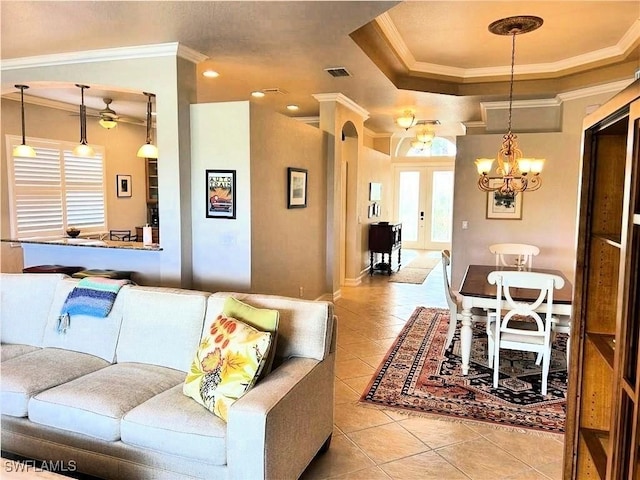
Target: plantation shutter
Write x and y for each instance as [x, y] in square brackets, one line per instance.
[84, 191]
[55, 190]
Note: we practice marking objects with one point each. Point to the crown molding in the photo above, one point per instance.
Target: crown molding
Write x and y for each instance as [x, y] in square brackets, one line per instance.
[44, 102]
[315, 121]
[613, 87]
[104, 55]
[343, 100]
[535, 103]
[393, 37]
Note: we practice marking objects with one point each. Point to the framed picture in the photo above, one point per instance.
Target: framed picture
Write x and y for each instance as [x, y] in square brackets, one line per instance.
[221, 193]
[375, 192]
[503, 207]
[123, 185]
[296, 188]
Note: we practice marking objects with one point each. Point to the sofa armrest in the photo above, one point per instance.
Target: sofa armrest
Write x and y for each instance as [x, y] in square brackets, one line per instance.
[275, 430]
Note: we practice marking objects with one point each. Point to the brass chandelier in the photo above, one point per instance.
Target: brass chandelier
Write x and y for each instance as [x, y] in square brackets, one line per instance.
[517, 174]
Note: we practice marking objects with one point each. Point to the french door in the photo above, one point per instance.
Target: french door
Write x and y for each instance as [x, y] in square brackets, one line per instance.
[424, 205]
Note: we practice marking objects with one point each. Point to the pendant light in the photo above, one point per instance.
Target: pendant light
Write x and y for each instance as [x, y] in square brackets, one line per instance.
[23, 150]
[148, 150]
[513, 169]
[83, 149]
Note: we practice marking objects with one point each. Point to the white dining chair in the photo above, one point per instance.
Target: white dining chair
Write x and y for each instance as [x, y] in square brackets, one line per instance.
[523, 254]
[511, 330]
[477, 314]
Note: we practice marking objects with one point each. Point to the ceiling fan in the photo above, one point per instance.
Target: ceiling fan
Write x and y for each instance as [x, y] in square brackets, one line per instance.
[108, 117]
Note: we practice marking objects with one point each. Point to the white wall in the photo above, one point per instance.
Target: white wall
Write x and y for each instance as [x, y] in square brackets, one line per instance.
[220, 139]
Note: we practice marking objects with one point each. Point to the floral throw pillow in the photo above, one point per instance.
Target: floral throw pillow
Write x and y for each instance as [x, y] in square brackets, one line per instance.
[228, 361]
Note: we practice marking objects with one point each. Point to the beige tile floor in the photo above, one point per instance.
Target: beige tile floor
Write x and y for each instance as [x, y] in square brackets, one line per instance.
[371, 443]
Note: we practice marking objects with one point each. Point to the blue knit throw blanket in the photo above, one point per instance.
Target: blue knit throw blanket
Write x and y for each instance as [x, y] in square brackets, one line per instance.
[93, 296]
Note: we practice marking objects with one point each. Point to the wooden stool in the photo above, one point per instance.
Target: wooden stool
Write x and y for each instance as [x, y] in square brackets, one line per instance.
[115, 274]
[52, 269]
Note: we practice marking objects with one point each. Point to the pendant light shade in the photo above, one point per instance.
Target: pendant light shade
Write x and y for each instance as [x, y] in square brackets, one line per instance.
[108, 124]
[148, 150]
[23, 150]
[83, 149]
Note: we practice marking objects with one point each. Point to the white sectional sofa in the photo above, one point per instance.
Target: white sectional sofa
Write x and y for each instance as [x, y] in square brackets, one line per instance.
[107, 395]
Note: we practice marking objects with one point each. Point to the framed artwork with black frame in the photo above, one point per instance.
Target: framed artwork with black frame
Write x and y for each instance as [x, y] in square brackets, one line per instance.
[123, 186]
[501, 206]
[221, 193]
[296, 187]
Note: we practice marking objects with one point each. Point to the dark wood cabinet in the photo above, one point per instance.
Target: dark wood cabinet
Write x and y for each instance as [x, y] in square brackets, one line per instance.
[151, 168]
[603, 407]
[384, 239]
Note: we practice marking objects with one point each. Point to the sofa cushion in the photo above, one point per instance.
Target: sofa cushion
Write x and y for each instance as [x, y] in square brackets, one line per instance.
[155, 318]
[94, 404]
[305, 326]
[9, 350]
[173, 423]
[31, 373]
[263, 319]
[83, 330]
[227, 364]
[25, 301]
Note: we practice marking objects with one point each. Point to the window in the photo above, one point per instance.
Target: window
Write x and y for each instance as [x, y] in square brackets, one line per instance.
[55, 190]
[440, 147]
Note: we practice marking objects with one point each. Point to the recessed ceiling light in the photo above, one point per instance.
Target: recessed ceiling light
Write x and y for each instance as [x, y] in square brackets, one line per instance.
[257, 94]
[210, 73]
[292, 107]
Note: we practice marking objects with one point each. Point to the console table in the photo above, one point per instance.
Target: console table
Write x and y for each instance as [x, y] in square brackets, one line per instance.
[384, 238]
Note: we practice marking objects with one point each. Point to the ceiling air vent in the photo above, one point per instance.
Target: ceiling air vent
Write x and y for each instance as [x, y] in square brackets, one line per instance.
[275, 90]
[337, 72]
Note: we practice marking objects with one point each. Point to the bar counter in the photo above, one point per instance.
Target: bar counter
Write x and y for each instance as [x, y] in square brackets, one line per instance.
[88, 242]
[144, 261]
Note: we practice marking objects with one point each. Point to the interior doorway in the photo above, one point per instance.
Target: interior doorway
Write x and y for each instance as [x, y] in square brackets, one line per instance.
[424, 205]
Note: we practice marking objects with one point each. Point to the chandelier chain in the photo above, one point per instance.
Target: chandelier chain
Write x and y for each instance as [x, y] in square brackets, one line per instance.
[513, 62]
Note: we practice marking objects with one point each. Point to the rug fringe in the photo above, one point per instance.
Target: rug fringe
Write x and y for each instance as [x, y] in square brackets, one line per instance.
[446, 418]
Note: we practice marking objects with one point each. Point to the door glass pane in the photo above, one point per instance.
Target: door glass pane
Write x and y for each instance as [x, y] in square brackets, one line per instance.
[408, 205]
[442, 207]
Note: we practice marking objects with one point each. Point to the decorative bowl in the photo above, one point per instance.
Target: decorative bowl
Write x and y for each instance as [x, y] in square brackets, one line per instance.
[73, 232]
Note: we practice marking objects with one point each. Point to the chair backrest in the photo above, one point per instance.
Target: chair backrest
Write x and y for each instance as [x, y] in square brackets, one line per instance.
[122, 235]
[545, 283]
[524, 254]
[451, 300]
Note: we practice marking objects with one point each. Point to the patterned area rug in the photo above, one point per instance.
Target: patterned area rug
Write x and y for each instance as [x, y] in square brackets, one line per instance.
[420, 376]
